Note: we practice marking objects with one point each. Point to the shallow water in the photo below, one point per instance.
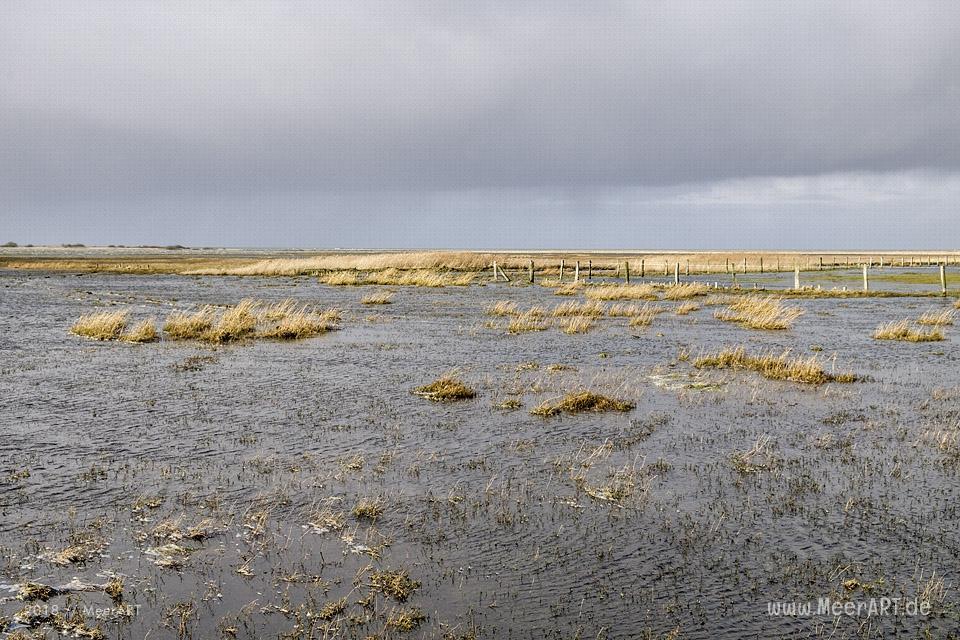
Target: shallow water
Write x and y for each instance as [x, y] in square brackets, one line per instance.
[479, 503]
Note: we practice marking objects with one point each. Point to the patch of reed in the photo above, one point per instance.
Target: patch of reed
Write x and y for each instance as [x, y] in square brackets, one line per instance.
[621, 292]
[574, 308]
[530, 320]
[503, 308]
[579, 402]
[181, 325]
[380, 297]
[760, 312]
[143, 331]
[570, 289]
[445, 389]
[934, 318]
[686, 308]
[903, 331]
[685, 291]
[300, 324]
[106, 325]
[236, 323]
[775, 367]
[577, 324]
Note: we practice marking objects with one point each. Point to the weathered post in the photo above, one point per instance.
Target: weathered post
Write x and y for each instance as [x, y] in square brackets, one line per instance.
[943, 280]
[676, 274]
[589, 270]
[495, 276]
[561, 270]
[821, 264]
[531, 271]
[576, 271]
[642, 269]
[744, 264]
[503, 273]
[761, 264]
[866, 282]
[796, 277]
[688, 268]
[726, 264]
[626, 270]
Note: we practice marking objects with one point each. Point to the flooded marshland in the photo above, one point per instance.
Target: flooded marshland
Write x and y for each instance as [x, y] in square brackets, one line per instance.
[300, 489]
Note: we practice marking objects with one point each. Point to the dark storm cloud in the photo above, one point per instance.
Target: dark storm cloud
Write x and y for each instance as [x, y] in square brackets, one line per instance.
[114, 100]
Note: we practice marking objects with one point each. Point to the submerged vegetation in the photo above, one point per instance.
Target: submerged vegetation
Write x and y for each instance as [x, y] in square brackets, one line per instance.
[445, 389]
[760, 312]
[784, 366]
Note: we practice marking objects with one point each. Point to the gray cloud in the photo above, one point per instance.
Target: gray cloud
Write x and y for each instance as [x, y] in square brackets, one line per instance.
[122, 101]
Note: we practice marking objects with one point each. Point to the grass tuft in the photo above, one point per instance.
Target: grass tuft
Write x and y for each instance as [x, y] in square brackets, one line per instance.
[144, 331]
[530, 320]
[394, 584]
[107, 325]
[503, 308]
[685, 291]
[577, 324]
[775, 367]
[579, 402]
[903, 331]
[380, 297]
[686, 308]
[934, 318]
[622, 292]
[574, 308]
[445, 389]
[760, 312]
[189, 326]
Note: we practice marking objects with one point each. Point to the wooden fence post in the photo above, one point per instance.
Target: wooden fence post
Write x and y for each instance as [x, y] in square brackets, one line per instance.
[561, 270]
[495, 278]
[688, 268]
[642, 269]
[744, 264]
[866, 281]
[943, 280]
[626, 270]
[821, 263]
[589, 270]
[531, 272]
[506, 278]
[761, 264]
[576, 272]
[796, 277]
[676, 274]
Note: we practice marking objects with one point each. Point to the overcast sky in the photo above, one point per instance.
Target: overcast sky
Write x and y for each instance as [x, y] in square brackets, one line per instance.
[514, 124]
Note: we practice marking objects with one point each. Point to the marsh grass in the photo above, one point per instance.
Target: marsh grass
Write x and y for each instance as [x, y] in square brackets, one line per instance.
[181, 325]
[621, 292]
[759, 457]
[579, 402]
[502, 308]
[643, 317]
[685, 291]
[570, 289]
[935, 318]
[405, 620]
[301, 323]
[775, 367]
[394, 584]
[686, 308]
[142, 332]
[367, 509]
[903, 331]
[380, 297]
[577, 324]
[445, 389]
[574, 308]
[399, 277]
[106, 325]
[760, 312]
[284, 320]
[32, 591]
[530, 320]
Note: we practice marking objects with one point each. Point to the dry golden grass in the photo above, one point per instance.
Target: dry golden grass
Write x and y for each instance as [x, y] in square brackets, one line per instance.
[432, 260]
[380, 297]
[144, 331]
[776, 367]
[760, 312]
[106, 325]
[686, 308]
[574, 308]
[503, 308]
[394, 584]
[936, 318]
[622, 292]
[577, 324]
[236, 323]
[632, 310]
[342, 278]
[445, 389]
[903, 331]
[189, 326]
[570, 289]
[398, 277]
[530, 320]
[579, 402]
[300, 324]
[685, 291]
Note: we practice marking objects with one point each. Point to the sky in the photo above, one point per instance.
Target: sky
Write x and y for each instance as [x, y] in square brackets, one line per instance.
[520, 124]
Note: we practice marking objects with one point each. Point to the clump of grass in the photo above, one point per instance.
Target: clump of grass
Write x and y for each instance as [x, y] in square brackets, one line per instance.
[114, 589]
[380, 297]
[936, 318]
[579, 402]
[686, 308]
[301, 324]
[645, 316]
[577, 324]
[367, 509]
[622, 292]
[144, 331]
[632, 310]
[775, 367]
[407, 620]
[332, 609]
[189, 326]
[685, 290]
[530, 320]
[107, 325]
[503, 308]
[760, 312]
[445, 389]
[574, 308]
[903, 331]
[570, 289]
[236, 323]
[342, 278]
[394, 584]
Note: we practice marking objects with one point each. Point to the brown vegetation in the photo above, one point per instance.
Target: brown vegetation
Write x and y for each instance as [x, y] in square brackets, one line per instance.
[445, 389]
[580, 401]
[760, 312]
[776, 367]
[106, 325]
[903, 331]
